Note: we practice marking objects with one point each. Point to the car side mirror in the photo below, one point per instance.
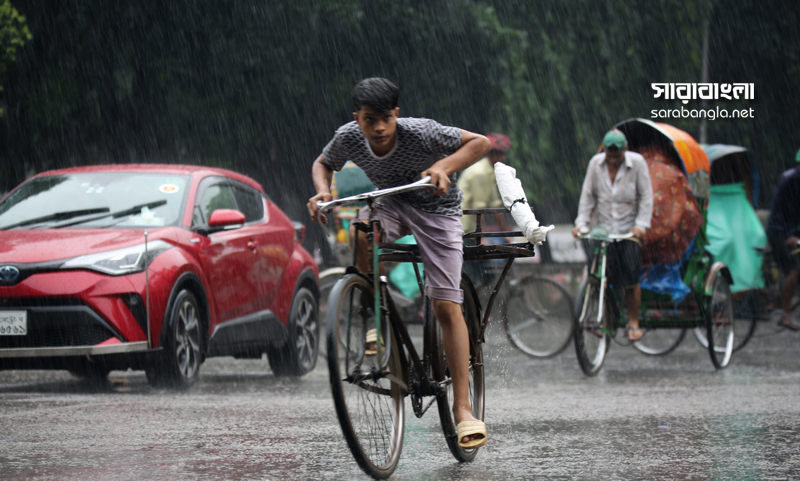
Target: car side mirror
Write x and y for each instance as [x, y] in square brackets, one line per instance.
[223, 219]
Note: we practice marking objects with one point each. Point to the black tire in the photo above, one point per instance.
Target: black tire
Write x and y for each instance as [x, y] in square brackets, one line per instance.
[538, 317]
[719, 323]
[369, 406]
[440, 372]
[746, 313]
[298, 355]
[179, 367]
[592, 339]
[660, 342]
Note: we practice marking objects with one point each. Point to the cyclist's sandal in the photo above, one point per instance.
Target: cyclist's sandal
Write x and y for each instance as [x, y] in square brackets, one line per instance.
[632, 330]
[786, 321]
[471, 428]
[371, 348]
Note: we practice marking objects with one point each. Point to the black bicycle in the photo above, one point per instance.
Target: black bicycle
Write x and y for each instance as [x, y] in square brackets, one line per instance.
[372, 362]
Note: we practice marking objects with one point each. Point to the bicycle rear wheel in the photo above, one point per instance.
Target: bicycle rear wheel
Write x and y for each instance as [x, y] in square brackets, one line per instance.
[537, 317]
[368, 404]
[441, 373]
[591, 337]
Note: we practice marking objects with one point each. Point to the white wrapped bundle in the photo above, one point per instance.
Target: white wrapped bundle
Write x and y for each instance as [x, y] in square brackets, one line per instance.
[515, 201]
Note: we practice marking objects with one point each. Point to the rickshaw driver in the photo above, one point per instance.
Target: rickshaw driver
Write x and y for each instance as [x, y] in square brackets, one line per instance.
[617, 187]
[782, 231]
[395, 151]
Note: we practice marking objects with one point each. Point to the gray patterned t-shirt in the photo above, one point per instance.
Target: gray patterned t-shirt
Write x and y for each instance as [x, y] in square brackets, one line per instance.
[420, 144]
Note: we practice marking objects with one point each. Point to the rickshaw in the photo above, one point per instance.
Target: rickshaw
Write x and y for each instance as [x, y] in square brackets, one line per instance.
[683, 287]
[736, 235]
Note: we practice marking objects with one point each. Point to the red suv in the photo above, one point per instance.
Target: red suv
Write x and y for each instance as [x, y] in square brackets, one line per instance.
[152, 267]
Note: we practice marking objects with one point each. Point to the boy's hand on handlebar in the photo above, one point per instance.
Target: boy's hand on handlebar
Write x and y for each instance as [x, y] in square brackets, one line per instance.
[313, 210]
[637, 232]
[439, 178]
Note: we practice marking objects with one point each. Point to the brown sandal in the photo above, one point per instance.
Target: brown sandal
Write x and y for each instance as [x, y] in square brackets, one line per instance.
[786, 322]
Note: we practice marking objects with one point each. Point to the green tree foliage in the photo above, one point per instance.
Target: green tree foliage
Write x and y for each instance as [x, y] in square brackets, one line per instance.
[13, 35]
[259, 87]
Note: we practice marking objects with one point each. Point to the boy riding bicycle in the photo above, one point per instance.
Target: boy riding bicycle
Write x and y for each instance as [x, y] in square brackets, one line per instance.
[396, 151]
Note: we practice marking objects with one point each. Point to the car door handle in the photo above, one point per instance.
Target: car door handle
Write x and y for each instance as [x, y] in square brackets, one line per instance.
[252, 245]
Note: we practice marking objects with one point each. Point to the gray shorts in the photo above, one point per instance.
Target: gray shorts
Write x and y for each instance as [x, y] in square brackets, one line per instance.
[439, 239]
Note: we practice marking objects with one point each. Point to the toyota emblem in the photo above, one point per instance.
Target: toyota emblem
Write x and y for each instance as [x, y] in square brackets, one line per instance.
[8, 273]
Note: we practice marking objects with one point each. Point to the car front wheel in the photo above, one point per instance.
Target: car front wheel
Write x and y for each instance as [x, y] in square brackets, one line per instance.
[179, 367]
[299, 355]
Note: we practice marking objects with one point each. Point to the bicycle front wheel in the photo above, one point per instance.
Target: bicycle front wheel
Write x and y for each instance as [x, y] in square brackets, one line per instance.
[327, 279]
[537, 317]
[441, 371]
[590, 334]
[367, 397]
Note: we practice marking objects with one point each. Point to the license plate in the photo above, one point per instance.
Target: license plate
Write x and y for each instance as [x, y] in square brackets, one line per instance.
[13, 323]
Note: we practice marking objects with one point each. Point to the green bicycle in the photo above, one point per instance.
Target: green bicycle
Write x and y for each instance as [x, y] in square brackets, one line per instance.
[598, 317]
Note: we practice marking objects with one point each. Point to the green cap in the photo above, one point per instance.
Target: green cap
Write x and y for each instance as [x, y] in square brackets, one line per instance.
[797, 156]
[615, 138]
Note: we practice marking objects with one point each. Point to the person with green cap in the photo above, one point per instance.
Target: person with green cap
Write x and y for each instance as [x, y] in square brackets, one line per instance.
[783, 233]
[617, 190]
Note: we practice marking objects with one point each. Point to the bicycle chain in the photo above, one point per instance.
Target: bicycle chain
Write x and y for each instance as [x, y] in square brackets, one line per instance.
[415, 389]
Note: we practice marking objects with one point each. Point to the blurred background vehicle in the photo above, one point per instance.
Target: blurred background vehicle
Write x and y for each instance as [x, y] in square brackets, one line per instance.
[152, 267]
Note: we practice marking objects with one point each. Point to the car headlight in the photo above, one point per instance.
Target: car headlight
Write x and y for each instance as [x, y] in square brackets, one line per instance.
[121, 261]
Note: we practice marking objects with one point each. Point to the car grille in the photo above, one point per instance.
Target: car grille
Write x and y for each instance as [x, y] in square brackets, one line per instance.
[53, 325]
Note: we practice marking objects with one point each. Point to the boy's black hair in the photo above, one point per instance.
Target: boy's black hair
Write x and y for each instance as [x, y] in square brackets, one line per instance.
[378, 94]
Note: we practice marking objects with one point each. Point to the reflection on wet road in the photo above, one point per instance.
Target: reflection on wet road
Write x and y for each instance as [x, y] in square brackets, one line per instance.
[671, 417]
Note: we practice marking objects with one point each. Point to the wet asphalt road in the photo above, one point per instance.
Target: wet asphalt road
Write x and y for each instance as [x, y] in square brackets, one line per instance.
[671, 417]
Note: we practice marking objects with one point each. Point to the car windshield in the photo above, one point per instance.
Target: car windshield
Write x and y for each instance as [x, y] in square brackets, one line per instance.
[96, 200]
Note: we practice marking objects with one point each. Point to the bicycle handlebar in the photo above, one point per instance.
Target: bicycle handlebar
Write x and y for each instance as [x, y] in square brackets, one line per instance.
[420, 184]
[609, 237]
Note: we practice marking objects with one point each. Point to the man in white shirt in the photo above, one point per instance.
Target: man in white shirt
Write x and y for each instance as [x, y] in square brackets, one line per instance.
[617, 188]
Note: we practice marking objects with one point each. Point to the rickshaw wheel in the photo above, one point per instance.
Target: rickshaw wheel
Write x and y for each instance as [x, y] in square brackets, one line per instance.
[591, 338]
[719, 322]
[659, 342]
[746, 312]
